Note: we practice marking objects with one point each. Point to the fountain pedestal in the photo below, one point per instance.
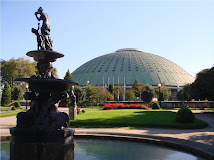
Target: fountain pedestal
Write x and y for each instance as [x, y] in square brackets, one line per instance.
[41, 133]
[29, 144]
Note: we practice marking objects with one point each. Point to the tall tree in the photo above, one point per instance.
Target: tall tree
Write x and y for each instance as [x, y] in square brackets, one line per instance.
[203, 87]
[78, 92]
[187, 91]
[68, 76]
[16, 68]
[6, 95]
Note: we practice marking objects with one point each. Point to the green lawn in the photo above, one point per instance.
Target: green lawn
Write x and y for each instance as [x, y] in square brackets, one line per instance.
[131, 118]
[4, 113]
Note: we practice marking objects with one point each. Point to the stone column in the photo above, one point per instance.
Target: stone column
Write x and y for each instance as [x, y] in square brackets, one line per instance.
[73, 112]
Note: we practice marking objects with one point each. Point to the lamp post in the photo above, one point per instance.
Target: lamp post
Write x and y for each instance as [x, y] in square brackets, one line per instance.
[159, 99]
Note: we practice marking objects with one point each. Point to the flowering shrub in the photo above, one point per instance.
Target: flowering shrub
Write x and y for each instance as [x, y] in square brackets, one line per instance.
[124, 106]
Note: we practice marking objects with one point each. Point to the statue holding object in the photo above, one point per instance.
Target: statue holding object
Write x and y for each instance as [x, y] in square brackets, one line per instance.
[43, 39]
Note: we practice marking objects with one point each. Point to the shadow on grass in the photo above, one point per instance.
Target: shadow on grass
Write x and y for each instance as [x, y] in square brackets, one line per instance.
[151, 119]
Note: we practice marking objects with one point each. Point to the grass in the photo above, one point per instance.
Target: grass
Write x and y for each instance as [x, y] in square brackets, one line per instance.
[132, 118]
[11, 113]
[5, 109]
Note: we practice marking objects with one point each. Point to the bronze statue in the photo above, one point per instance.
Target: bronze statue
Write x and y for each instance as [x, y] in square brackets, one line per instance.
[40, 42]
[43, 39]
[72, 96]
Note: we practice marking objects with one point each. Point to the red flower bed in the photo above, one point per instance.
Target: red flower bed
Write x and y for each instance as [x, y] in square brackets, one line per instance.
[124, 106]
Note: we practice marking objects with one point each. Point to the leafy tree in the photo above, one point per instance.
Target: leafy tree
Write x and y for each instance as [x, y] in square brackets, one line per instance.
[115, 96]
[187, 91]
[148, 93]
[181, 95]
[6, 95]
[164, 93]
[203, 86]
[78, 92]
[16, 68]
[118, 89]
[68, 76]
[130, 94]
[104, 95]
[138, 88]
[16, 93]
[91, 94]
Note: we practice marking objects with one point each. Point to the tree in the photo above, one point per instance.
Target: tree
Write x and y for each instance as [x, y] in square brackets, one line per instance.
[148, 93]
[138, 88]
[19, 68]
[104, 95]
[187, 92]
[16, 68]
[91, 94]
[181, 95]
[68, 76]
[118, 89]
[130, 94]
[6, 95]
[164, 93]
[203, 86]
[16, 93]
[78, 92]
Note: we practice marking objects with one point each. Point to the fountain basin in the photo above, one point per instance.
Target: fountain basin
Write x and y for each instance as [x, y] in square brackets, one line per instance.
[45, 55]
[97, 149]
[47, 85]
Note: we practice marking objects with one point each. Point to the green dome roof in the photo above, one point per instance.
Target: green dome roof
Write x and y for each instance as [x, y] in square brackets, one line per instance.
[133, 64]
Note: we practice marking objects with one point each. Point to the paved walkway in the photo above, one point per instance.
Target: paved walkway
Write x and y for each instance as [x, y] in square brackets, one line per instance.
[200, 139]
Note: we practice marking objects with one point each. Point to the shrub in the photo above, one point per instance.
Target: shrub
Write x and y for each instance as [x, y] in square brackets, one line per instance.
[17, 105]
[13, 108]
[155, 105]
[148, 93]
[184, 115]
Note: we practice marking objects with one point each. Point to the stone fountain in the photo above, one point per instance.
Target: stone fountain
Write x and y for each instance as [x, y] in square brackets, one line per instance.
[41, 133]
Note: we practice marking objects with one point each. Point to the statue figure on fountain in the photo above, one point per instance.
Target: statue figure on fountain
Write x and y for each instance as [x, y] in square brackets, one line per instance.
[43, 39]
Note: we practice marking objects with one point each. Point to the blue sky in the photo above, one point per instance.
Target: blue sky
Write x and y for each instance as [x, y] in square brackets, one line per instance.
[181, 31]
